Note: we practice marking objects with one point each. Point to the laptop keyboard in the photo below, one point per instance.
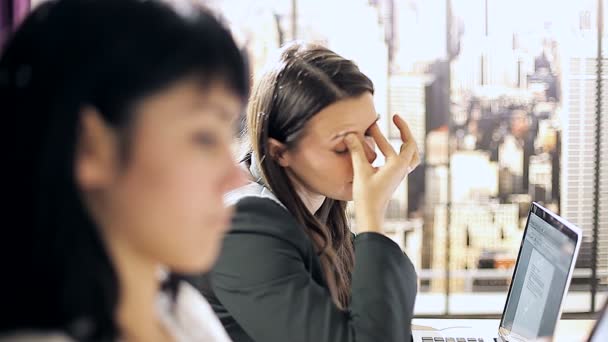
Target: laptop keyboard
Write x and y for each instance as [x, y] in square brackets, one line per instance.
[453, 339]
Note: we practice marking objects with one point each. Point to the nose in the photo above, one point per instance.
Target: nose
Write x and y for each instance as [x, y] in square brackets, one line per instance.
[369, 148]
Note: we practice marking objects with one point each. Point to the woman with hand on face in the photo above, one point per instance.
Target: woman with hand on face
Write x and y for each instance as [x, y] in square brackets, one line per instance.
[290, 268]
[118, 116]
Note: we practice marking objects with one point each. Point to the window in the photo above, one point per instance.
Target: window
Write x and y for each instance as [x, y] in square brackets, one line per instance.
[519, 117]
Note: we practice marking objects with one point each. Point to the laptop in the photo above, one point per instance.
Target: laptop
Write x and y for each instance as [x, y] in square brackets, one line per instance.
[540, 282]
[599, 333]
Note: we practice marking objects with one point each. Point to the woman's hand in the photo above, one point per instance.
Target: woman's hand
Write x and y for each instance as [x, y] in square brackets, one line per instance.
[373, 187]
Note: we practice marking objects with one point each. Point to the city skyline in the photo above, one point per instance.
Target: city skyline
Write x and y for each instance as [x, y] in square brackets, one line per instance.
[521, 108]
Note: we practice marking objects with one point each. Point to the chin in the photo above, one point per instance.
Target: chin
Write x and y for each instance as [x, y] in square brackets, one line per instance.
[348, 193]
[201, 264]
[346, 196]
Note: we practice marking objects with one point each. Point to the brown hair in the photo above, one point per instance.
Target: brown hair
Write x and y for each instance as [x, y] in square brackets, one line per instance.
[305, 79]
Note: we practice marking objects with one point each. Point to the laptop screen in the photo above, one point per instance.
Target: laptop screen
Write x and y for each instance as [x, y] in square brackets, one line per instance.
[541, 275]
[600, 330]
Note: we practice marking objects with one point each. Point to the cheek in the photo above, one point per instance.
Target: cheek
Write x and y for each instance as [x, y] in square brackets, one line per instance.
[332, 167]
[198, 217]
[175, 184]
[345, 167]
[172, 206]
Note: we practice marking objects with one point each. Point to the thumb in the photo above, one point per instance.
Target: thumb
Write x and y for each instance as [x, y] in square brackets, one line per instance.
[360, 163]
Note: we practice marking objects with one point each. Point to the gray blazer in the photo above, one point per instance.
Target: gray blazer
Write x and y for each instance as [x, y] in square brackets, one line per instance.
[268, 286]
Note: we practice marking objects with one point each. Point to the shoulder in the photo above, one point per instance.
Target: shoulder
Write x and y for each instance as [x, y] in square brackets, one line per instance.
[264, 241]
[259, 212]
[252, 190]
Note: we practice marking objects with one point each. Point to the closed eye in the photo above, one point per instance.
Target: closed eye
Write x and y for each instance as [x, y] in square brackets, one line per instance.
[341, 151]
[206, 139]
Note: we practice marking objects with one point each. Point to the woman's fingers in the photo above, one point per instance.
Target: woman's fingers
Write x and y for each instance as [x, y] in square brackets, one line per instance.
[360, 163]
[409, 149]
[404, 129]
[408, 153]
[385, 147]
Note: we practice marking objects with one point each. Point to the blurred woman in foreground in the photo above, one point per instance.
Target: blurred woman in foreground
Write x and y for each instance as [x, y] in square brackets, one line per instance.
[118, 118]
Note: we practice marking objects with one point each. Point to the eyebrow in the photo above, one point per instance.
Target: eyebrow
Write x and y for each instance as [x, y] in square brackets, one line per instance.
[223, 114]
[343, 134]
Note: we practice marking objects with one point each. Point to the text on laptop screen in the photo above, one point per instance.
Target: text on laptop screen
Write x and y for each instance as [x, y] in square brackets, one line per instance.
[540, 278]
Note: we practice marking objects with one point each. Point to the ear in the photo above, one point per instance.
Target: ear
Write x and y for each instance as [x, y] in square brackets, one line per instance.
[278, 152]
[96, 156]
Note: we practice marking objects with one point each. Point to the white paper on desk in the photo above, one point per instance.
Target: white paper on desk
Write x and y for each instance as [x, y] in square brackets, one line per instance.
[423, 328]
[427, 328]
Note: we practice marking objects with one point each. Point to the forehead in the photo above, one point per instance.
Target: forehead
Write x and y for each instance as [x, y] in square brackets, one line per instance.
[190, 92]
[188, 96]
[221, 98]
[354, 114]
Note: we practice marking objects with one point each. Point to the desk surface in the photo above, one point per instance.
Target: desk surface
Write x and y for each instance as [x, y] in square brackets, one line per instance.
[566, 331]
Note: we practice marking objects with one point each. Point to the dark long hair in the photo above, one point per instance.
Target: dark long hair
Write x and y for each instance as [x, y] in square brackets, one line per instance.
[108, 54]
[305, 79]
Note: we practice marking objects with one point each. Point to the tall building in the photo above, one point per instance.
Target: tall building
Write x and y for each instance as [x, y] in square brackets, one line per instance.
[436, 194]
[407, 98]
[435, 186]
[437, 147]
[511, 162]
[540, 176]
[388, 18]
[438, 103]
[578, 83]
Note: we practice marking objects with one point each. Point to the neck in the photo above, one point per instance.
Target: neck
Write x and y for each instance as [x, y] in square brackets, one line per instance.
[312, 200]
[139, 283]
